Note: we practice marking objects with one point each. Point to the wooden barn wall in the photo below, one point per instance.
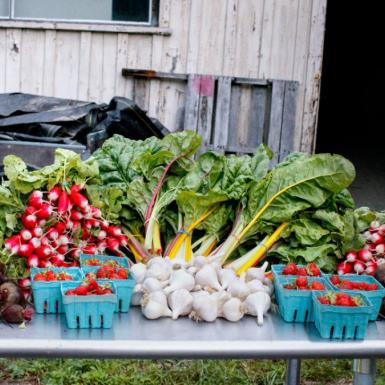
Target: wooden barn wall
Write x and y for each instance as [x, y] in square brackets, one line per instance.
[277, 39]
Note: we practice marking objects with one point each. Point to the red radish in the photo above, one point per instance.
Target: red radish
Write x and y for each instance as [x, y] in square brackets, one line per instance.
[114, 231]
[365, 255]
[380, 249]
[76, 215]
[366, 234]
[96, 213]
[75, 252]
[63, 249]
[123, 240]
[76, 188]
[359, 267]
[60, 227]
[25, 250]
[24, 283]
[42, 223]
[63, 204]
[92, 223]
[69, 225]
[89, 249]
[29, 221]
[374, 225]
[54, 193]
[344, 268]
[44, 241]
[44, 263]
[33, 261]
[11, 242]
[36, 199]
[104, 225]
[58, 260]
[85, 234]
[102, 235]
[43, 252]
[45, 211]
[25, 235]
[371, 267]
[113, 244]
[377, 238]
[351, 257]
[30, 210]
[102, 246]
[52, 234]
[37, 232]
[381, 229]
[35, 242]
[63, 240]
[79, 200]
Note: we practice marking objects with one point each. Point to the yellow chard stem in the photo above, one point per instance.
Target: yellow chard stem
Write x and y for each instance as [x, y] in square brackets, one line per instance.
[182, 236]
[261, 251]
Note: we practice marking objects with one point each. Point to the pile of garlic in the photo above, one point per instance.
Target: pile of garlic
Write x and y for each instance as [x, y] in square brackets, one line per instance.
[202, 290]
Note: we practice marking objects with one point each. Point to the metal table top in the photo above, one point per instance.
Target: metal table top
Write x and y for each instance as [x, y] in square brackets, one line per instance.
[132, 336]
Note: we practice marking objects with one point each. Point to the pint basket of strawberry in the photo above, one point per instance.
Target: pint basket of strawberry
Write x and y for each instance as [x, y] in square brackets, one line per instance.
[87, 260]
[341, 315]
[124, 281]
[46, 287]
[309, 270]
[89, 304]
[294, 297]
[365, 284]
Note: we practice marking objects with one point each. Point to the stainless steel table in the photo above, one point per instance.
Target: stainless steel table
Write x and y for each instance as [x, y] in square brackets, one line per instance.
[132, 336]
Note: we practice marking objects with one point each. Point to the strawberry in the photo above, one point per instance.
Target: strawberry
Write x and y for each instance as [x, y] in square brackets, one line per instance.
[313, 270]
[317, 286]
[343, 301]
[371, 287]
[39, 277]
[335, 280]
[302, 271]
[289, 286]
[70, 292]
[92, 285]
[324, 300]
[108, 290]
[301, 282]
[81, 290]
[122, 273]
[346, 285]
[290, 269]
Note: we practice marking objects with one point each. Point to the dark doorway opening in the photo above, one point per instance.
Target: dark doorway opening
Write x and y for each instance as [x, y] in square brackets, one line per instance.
[352, 109]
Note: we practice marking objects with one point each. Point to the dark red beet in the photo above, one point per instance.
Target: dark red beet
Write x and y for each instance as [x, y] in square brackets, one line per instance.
[15, 314]
[10, 293]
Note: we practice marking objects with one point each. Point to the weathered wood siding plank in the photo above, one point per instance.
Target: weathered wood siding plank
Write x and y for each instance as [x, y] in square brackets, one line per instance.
[222, 113]
[49, 67]
[3, 50]
[276, 116]
[12, 60]
[84, 65]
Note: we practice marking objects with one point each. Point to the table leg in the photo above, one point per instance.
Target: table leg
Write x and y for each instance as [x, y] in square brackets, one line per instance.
[293, 371]
[364, 371]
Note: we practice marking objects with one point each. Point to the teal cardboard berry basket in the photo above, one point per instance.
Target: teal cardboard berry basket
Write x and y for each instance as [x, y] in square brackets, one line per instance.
[125, 288]
[375, 296]
[341, 322]
[88, 311]
[47, 295]
[295, 305]
[123, 261]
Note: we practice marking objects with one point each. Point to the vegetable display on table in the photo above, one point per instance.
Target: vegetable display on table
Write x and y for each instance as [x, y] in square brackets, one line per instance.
[194, 228]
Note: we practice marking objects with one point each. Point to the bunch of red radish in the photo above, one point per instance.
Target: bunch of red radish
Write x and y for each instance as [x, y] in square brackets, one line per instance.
[364, 261]
[60, 224]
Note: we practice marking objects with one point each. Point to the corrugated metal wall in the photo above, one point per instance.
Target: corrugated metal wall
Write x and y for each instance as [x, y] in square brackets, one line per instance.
[280, 39]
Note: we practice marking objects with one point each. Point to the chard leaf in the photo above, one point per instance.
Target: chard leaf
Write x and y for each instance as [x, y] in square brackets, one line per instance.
[303, 183]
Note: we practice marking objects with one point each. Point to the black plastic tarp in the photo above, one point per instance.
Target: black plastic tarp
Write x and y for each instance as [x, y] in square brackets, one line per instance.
[25, 117]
